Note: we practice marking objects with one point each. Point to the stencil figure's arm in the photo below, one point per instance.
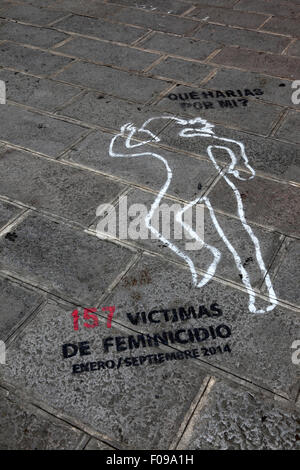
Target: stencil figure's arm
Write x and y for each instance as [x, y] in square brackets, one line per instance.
[122, 144]
[239, 157]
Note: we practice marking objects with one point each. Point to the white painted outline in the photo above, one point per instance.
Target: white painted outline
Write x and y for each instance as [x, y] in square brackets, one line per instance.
[2, 92]
[206, 130]
[2, 352]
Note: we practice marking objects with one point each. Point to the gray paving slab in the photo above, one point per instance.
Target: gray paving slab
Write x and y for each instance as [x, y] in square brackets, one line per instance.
[63, 260]
[36, 92]
[37, 132]
[4, 4]
[260, 344]
[243, 38]
[110, 112]
[235, 419]
[93, 152]
[94, 8]
[287, 26]
[289, 129]
[274, 90]
[239, 112]
[41, 37]
[174, 7]
[68, 192]
[30, 60]
[108, 54]
[101, 29]
[294, 49]
[273, 7]
[111, 401]
[25, 427]
[31, 14]
[267, 156]
[256, 61]
[229, 17]
[8, 212]
[94, 444]
[215, 3]
[182, 70]
[270, 203]
[202, 258]
[41, 3]
[17, 303]
[116, 82]
[295, 2]
[157, 22]
[287, 277]
[180, 46]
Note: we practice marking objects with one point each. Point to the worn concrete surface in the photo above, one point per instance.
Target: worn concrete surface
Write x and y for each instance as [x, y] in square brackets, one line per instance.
[181, 367]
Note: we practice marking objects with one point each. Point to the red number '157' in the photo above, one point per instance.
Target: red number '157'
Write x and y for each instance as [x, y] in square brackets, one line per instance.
[88, 315]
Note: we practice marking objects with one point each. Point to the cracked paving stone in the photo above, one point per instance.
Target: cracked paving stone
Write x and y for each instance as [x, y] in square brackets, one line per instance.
[201, 257]
[36, 92]
[24, 427]
[16, 304]
[113, 401]
[68, 192]
[259, 344]
[93, 152]
[107, 80]
[266, 156]
[235, 419]
[239, 112]
[37, 132]
[64, 260]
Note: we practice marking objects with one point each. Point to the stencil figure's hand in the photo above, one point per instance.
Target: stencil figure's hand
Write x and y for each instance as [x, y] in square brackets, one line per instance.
[122, 143]
[145, 136]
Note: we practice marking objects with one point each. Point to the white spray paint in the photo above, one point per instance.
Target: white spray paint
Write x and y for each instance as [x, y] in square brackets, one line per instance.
[128, 131]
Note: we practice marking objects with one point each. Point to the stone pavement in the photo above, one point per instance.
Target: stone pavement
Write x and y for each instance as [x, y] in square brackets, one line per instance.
[182, 367]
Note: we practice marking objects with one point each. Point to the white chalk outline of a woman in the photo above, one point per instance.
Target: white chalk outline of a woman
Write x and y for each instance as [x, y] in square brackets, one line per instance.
[128, 131]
